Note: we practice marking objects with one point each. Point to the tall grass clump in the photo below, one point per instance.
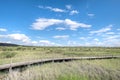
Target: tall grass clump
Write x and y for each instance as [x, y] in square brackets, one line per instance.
[7, 54]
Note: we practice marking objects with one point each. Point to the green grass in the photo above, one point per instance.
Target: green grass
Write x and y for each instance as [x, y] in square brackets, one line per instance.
[20, 54]
[75, 70]
[7, 54]
[72, 77]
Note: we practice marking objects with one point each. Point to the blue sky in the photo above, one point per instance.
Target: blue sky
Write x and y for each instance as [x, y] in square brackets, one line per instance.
[60, 22]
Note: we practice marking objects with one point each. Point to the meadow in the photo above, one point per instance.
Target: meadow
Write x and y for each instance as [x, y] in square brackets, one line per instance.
[74, 70]
[20, 53]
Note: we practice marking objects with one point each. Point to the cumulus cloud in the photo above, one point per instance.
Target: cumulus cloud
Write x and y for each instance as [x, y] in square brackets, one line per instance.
[111, 40]
[16, 37]
[44, 43]
[107, 39]
[103, 30]
[42, 23]
[96, 39]
[52, 9]
[60, 28]
[73, 12]
[104, 42]
[22, 39]
[73, 25]
[61, 36]
[68, 7]
[3, 30]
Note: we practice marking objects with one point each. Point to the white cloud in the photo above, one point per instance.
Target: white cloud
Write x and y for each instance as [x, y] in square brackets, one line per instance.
[91, 15]
[2, 36]
[68, 7]
[34, 42]
[16, 37]
[112, 37]
[105, 40]
[61, 36]
[47, 43]
[108, 40]
[85, 39]
[74, 25]
[73, 12]
[67, 10]
[94, 43]
[82, 38]
[111, 40]
[43, 23]
[60, 28]
[110, 33]
[103, 30]
[3, 30]
[96, 39]
[43, 43]
[20, 37]
[55, 9]
[52, 9]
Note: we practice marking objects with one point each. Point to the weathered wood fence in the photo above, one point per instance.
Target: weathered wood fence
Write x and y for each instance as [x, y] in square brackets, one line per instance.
[41, 61]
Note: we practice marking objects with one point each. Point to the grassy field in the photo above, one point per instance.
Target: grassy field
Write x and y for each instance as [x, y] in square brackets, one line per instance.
[20, 54]
[74, 70]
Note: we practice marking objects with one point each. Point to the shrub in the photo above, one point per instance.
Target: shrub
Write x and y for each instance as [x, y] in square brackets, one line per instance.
[8, 54]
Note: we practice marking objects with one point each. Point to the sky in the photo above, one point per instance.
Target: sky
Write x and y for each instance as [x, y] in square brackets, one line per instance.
[60, 22]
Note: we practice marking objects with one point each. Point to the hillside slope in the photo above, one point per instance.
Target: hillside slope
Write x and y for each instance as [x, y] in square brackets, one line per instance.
[8, 44]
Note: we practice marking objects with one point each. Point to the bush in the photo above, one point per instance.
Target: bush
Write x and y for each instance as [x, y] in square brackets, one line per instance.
[8, 54]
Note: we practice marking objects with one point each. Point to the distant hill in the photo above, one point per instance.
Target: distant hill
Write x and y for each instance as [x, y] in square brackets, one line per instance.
[8, 44]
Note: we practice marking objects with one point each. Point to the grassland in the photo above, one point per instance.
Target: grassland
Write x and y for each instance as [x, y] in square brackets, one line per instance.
[75, 70]
[20, 54]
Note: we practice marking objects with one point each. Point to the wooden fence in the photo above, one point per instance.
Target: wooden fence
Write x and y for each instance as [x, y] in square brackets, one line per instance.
[41, 61]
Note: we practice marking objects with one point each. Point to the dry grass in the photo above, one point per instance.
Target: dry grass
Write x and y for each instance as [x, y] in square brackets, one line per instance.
[75, 70]
[34, 53]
